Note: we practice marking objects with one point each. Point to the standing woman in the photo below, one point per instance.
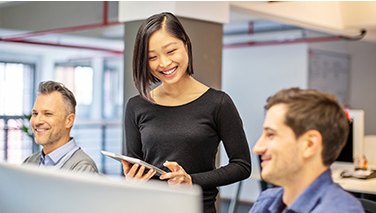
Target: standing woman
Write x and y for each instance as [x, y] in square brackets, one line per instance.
[177, 126]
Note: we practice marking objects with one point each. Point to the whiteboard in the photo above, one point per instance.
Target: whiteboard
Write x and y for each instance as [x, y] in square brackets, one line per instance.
[329, 72]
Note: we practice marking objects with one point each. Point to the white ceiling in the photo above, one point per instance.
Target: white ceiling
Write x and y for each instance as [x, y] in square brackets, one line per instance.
[111, 37]
[345, 18]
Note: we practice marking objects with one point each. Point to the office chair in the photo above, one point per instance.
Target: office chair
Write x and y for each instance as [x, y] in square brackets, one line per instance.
[368, 205]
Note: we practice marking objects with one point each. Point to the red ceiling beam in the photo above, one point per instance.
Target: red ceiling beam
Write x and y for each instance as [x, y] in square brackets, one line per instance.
[276, 42]
[21, 38]
[65, 45]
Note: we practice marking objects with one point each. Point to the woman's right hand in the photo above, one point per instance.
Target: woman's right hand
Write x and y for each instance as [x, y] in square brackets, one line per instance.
[136, 173]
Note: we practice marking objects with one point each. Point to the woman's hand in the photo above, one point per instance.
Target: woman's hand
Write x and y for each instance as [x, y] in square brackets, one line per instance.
[177, 174]
[136, 173]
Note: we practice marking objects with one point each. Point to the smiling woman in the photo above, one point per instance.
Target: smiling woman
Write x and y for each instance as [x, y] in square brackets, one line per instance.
[178, 125]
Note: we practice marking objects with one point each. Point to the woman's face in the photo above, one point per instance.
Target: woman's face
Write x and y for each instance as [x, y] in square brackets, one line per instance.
[168, 57]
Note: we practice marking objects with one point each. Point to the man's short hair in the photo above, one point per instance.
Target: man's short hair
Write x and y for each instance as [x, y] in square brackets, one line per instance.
[310, 109]
[47, 87]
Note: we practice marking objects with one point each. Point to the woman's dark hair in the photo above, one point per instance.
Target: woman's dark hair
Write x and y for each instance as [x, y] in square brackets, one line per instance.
[47, 87]
[142, 76]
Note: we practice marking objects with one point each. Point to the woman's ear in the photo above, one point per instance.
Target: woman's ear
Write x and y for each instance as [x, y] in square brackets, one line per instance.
[312, 143]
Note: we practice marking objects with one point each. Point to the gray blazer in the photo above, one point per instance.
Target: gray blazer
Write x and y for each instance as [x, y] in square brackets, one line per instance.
[79, 161]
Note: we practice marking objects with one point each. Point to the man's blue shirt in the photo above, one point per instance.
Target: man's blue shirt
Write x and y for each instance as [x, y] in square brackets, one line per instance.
[323, 195]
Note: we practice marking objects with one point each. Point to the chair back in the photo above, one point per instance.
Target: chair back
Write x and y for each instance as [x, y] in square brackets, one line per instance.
[368, 205]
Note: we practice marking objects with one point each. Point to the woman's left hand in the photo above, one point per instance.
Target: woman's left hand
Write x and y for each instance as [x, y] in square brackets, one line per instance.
[177, 174]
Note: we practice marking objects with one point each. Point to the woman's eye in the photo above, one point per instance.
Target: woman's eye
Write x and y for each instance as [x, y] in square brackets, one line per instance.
[171, 51]
[152, 57]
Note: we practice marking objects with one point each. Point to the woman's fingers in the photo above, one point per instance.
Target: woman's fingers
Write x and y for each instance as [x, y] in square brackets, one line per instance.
[136, 173]
[126, 167]
[177, 174]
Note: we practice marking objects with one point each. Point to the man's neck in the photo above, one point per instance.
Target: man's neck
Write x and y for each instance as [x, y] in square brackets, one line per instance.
[292, 190]
[47, 149]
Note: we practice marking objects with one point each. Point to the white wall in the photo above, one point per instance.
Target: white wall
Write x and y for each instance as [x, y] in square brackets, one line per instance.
[252, 74]
[362, 76]
[249, 76]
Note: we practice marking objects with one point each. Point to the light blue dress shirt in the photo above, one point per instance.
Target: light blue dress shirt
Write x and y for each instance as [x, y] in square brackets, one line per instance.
[323, 195]
[58, 157]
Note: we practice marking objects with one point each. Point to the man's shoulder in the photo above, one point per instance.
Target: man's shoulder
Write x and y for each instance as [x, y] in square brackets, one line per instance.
[265, 199]
[338, 200]
[81, 161]
[34, 158]
[81, 156]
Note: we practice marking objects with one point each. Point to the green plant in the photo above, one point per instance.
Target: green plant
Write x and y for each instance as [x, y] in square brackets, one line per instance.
[26, 126]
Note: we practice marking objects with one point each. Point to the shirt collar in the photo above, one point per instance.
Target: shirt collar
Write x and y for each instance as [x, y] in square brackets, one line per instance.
[311, 195]
[54, 157]
[277, 205]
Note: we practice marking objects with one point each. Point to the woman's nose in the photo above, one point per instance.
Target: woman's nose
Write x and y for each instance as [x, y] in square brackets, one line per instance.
[164, 61]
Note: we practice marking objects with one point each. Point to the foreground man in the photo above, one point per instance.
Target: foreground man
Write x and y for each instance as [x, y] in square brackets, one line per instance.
[303, 133]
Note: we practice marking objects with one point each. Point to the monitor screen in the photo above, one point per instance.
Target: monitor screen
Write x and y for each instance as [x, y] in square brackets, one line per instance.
[346, 154]
[37, 189]
[355, 143]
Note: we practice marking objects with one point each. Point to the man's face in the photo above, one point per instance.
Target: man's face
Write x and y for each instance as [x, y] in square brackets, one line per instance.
[279, 149]
[50, 121]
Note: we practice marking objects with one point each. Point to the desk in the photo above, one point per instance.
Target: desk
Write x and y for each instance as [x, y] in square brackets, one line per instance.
[352, 184]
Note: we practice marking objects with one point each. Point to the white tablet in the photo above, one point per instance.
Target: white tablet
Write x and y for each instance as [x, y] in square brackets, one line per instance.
[133, 161]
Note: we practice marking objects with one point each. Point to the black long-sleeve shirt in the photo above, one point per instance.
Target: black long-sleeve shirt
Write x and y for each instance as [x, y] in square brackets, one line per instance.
[190, 134]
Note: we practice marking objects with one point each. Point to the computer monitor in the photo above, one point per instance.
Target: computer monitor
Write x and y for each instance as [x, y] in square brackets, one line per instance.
[355, 143]
[347, 152]
[35, 189]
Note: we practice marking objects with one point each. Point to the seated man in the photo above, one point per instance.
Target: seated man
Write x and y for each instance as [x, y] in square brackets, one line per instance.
[303, 133]
[52, 119]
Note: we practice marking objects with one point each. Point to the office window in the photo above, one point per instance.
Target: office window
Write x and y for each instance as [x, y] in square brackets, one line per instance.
[97, 86]
[79, 79]
[16, 99]
[112, 90]
[16, 88]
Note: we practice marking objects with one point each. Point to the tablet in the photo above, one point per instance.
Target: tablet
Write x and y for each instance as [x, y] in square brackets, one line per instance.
[133, 161]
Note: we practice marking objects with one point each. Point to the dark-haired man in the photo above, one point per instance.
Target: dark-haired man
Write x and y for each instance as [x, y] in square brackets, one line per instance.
[303, 133]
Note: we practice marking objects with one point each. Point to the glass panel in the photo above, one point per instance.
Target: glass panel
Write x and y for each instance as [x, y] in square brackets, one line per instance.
[11, 89]
[16, 96]
[79, 79]
[112, 90]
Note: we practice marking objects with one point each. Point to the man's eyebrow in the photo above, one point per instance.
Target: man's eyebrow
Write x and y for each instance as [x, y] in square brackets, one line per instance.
[43, 111]
[269, 129]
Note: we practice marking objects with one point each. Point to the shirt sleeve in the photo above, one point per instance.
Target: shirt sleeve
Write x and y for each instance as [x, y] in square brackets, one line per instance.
[132, 133]
[231, 132]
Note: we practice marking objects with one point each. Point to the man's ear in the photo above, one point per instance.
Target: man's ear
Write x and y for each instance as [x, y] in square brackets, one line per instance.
[69, 120]
[312, 143]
